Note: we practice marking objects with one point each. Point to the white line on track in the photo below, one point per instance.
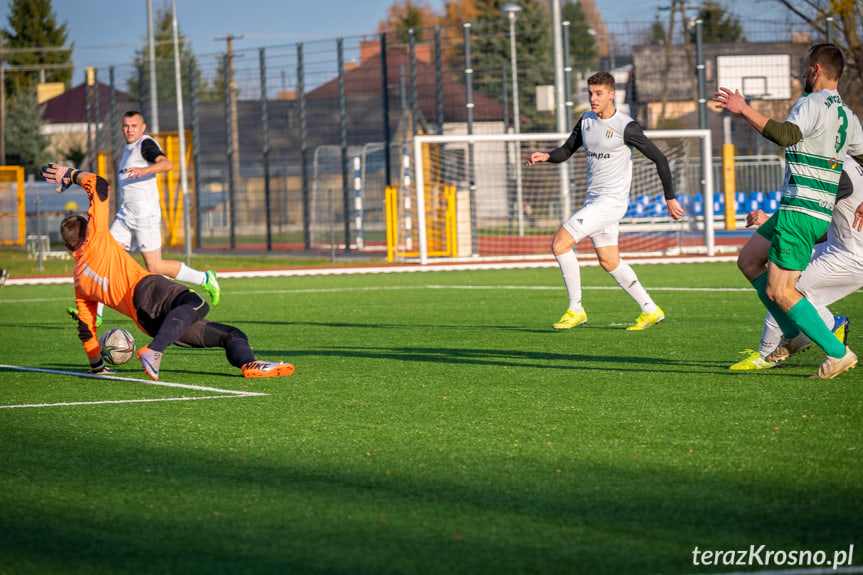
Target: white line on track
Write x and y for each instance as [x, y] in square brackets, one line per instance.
[227, 392]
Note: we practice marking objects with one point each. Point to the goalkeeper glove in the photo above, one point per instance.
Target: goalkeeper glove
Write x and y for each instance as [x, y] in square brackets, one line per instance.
[98, 367]
[57, 174]
[104, 370]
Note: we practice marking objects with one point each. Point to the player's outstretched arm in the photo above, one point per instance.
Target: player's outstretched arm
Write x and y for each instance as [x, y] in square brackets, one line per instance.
[536, 158]
[675, 210]
[735, 103]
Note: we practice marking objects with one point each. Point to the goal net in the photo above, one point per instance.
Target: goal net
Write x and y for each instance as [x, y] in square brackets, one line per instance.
[505, 210]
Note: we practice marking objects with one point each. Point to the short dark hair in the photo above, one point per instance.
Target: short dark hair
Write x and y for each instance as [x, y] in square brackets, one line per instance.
[831, 59]
[601, 79]
[132, 113]
[73, 230]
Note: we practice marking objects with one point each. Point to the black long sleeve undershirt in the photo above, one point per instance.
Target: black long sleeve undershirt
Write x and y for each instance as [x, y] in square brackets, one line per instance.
[633, 136]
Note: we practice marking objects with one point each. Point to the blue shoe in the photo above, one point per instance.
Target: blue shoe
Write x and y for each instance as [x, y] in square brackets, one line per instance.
[841, 325]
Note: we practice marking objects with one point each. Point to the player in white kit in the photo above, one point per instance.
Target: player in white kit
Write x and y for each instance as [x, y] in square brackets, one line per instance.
[608, 137]
[836, 270]
[137, 225]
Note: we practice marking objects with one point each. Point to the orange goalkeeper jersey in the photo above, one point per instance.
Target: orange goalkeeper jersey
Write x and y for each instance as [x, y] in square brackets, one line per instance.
[104, 271]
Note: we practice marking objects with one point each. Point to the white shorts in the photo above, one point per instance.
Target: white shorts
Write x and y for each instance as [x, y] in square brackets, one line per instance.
[830, 276]
[144, 239]
[598, 221]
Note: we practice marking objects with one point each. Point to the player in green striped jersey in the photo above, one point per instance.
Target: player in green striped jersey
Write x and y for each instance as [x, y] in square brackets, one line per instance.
[818, 133]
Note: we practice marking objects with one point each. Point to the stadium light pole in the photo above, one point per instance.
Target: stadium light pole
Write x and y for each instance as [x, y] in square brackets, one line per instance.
[151, 50]
[181, 132]
[511, 10]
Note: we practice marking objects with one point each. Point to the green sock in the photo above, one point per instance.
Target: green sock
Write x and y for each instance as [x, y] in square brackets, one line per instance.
[786, 324]
[806, 316]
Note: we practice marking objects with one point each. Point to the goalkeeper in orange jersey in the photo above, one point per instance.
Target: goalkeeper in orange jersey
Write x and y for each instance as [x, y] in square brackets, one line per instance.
[167, 311]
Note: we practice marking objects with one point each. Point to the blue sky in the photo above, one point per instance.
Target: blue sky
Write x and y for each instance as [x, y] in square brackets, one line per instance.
[107, 32]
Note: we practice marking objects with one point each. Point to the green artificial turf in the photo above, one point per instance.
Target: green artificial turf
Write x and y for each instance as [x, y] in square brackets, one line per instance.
[435, 424]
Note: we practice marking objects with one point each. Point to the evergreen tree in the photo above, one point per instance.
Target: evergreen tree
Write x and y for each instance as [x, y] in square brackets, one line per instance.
[25, 143]
[163, 36]
[718, 24]
[490, 53]
[583, 52]
[657, 35]
[33, 24]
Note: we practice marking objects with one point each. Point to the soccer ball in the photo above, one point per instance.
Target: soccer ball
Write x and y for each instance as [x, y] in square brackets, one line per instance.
[118, 346]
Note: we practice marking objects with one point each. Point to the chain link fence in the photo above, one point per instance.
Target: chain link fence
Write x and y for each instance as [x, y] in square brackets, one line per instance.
[274, 131]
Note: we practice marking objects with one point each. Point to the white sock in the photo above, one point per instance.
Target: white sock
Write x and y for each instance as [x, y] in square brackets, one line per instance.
[188, 275]
[626, 278]
[571, 273]
[770, 336]
[826, 316]
[100, 306]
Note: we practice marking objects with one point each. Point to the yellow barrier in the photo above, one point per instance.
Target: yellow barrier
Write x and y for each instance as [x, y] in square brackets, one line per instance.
[440, 222]
[729, 187]
[18, 217]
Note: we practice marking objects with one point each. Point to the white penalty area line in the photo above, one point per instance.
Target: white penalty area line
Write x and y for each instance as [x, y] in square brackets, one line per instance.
[227, 393]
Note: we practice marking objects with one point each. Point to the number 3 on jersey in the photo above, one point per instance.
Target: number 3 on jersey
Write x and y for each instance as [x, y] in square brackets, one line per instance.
[843, 127]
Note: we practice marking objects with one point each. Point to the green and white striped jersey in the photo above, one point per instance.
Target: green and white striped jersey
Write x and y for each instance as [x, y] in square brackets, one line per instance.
[813, 165]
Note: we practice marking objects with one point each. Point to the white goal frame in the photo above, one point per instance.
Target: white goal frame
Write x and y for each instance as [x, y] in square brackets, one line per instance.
[555, 139]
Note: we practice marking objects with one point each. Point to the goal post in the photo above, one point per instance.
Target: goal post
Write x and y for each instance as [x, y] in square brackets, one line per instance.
[518, 211]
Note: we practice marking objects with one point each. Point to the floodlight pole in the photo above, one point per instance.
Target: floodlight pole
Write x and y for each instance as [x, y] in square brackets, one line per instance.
[154, 98]
[560, 102]
[181, 130]
[511, 10]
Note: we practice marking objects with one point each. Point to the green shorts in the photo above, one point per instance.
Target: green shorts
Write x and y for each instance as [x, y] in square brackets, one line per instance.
[792, 237]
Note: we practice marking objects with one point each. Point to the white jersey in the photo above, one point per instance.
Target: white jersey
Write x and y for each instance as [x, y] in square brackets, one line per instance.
[841, 234]
[139, 198]
[813, 165]
[609, 159]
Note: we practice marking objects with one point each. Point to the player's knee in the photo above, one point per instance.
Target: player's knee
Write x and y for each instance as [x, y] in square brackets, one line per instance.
[561, 243]
[236, 334]
[158, 267]
[779, 296]
[748, 267]
[195, 303]
[221, 335]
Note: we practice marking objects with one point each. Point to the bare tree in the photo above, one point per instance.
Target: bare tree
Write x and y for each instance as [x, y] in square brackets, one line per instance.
[847, 31]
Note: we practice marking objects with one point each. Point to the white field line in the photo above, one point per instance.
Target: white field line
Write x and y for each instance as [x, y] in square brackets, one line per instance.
[227, 392]
[431, 286]
[404, 268]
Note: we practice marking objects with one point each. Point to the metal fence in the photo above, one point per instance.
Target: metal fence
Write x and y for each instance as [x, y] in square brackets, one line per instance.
[275, 130]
